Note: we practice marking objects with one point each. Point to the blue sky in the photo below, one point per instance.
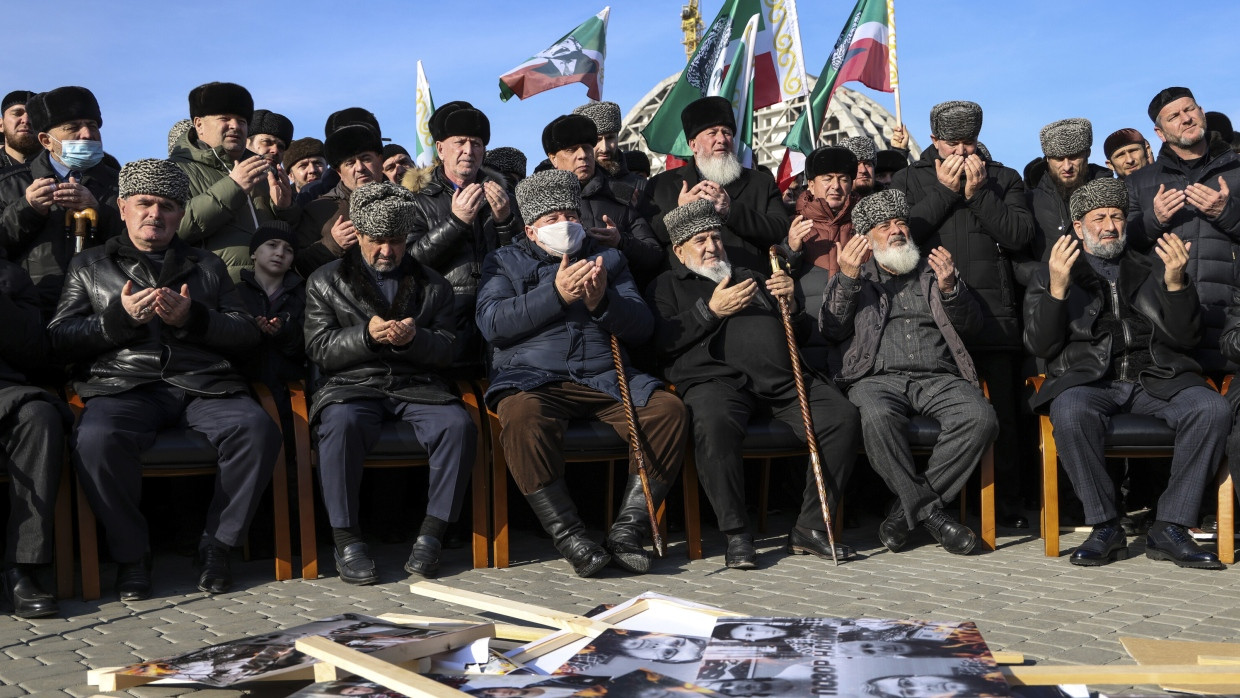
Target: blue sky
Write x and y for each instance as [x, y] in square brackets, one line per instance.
[1026, 63]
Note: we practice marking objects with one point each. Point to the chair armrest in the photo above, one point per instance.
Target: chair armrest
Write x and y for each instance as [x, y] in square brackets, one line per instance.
[74, 400]
[1226, 383]
[1035, 381]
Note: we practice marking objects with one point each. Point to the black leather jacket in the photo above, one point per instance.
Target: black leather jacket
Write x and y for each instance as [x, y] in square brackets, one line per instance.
[92, 328]
[341, 298]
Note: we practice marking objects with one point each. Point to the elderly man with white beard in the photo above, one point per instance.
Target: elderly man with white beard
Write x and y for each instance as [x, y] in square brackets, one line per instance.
[719, 332]
[900, 322]
[747, 200]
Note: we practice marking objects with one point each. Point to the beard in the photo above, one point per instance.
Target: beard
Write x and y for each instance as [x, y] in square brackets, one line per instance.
[716, 272]
[1065, 187]
[864, 190]
[1183, 142]
[722, 169]
[25, 143]
[1105, 249]
[610, 163]
[898, 260]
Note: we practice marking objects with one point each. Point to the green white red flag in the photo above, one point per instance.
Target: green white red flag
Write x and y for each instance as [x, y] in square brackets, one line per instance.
[865, 53]
[424, 146]
[778, 67]
[576, 57]
[738, 88]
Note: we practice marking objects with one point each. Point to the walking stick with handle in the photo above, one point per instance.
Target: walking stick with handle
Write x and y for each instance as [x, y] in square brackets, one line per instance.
[635, 445]
[785, 310]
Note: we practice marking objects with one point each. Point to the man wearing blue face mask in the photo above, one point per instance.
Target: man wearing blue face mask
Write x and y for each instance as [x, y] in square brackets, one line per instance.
[40, 197]
[549, 304]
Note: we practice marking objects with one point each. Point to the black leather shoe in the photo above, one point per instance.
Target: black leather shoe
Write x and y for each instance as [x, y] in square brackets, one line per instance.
[1168, 541]
[23, 593]
[894, 530]
[1105, 544]
[1013, 520]
[133, 579]
[355, 565]
[424, 558]
[955, 537]
[216, 575]
[741, 554]
[811, 542]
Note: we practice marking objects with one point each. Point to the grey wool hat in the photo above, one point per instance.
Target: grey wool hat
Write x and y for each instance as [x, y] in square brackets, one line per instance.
[605, 115]
[956, 120]
[156, 178]
[863, 147]
[547, 191]
[382, 210]
[1066, 137]
[695, 217]
[877, 208]
[178, 129]
[1096, 193]
[506, 159]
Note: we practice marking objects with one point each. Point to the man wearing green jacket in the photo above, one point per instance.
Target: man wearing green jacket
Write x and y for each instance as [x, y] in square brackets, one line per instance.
[232, 190]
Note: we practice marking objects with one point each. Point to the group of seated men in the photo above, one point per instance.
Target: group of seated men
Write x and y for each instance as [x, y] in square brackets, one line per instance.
[584, 291]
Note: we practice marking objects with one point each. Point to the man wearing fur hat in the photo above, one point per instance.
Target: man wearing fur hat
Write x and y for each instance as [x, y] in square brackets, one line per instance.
[976, 209]
[508, 161]
[901, 322]
[304, 162]
[1192, 190]
[67, 177]
[607, 217]
[867, 157]
[1066, 145]
[627, 185]
[1127, 151]
[380, 326]
[1117, 330]
[354, 149]
[821, 229]
[747, 200]
[464, 212]
[722, 341]
[396, 162]
[270, 135]
[154, 323]
[21, 143]
[549, 305]
[233, 191]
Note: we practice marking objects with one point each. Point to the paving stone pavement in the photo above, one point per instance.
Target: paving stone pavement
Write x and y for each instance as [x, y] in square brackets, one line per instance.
[1023, 602]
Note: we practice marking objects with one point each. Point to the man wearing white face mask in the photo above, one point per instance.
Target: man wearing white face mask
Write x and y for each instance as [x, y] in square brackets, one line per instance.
[68, 176]
[549, 304]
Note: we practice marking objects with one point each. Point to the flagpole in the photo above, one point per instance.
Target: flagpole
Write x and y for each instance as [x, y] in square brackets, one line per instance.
[894, 70]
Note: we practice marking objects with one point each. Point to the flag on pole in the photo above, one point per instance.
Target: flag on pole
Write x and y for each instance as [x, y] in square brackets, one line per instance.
[738, 88]
[865, 53]
[577, 57]
[778, 67]
[424, 146]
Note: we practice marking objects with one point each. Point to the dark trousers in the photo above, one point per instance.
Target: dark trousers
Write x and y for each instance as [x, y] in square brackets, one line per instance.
[1200, 417]
[967, 426]
[720, 416]
[1001, 372]
[32, 451]
[116, 429]
[533, 424]
[348, 431]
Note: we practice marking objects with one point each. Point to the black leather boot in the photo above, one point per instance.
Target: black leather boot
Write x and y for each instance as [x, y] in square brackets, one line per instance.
[558, 516]
[628, 535]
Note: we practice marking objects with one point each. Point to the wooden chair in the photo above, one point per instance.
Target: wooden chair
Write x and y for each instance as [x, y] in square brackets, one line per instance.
[397, 447]
[1127, 436]
[177, 453]
[765, 441]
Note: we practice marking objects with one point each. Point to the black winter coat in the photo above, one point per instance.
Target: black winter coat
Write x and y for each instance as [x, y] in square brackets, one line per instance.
[22, 343]
[455, 249]
[1066, 334]
[341, 298]
[92, 328]
[315, 244]
[602, 196]
[1051, 217]
[39, 244]
[281, 357]
[756, 220]
[981, 233]
[686, 329]
[1212, 262]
